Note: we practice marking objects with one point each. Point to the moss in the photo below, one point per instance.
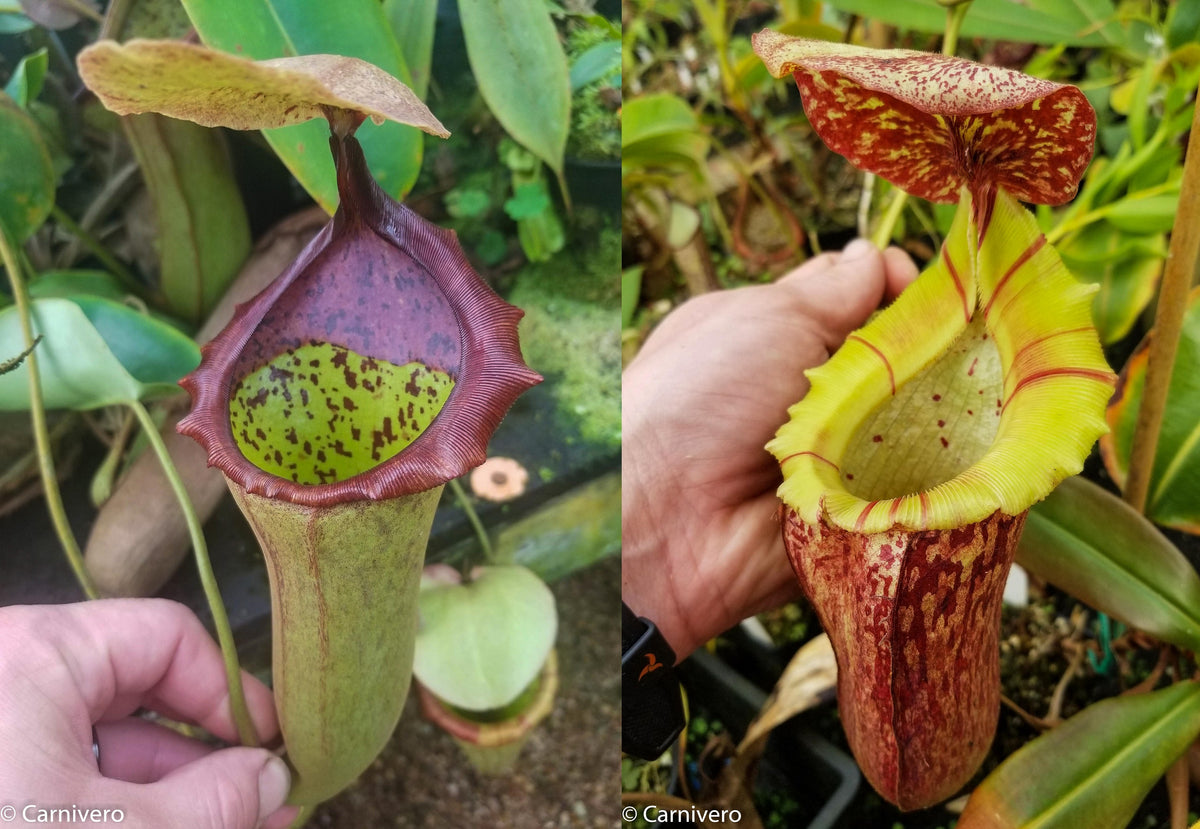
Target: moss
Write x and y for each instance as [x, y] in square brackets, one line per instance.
[571, 333]
[595, 126]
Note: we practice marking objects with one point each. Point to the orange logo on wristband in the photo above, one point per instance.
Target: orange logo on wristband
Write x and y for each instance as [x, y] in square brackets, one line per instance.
[652, 664]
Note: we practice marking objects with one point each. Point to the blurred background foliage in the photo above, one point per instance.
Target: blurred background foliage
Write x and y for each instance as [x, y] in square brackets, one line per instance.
[724, 183]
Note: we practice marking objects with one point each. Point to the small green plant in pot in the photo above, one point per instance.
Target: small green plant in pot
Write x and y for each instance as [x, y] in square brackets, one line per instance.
[485, 661]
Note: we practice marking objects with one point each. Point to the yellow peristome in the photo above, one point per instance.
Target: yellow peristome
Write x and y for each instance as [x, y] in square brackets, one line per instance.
[1005, 309]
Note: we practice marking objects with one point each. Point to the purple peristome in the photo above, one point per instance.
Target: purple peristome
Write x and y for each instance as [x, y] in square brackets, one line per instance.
[385, 283]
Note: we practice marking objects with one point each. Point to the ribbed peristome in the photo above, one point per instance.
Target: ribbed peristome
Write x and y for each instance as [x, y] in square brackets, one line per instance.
[978, 390]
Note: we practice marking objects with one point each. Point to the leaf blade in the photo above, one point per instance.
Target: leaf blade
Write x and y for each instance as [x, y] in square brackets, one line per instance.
[94, 353]
[1174, 498]
[513, 49]
[265, 29]
[1094, 769]
[27, 181]
[1121, 566]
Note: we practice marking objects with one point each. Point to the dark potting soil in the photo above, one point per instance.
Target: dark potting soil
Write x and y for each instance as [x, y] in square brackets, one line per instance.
[568, 774]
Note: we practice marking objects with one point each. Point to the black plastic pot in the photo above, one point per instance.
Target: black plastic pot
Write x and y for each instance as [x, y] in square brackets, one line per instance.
[596, 183]
[818, 775]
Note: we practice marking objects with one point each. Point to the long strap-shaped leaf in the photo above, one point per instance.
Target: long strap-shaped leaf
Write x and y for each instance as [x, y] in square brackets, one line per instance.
[1094, 769]
[1100, 550]
[978, 390]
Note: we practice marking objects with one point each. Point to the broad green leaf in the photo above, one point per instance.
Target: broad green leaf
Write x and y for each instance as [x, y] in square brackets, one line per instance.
[521, 71]
[1096, 547]
[1125, 266]
[66, 284]
[94, 352]
[202, 230]
[480, 644]
[413, 23]
[653, 115]
[1094, 769]
[1094, 16]
[26, 174]
[1153, 215]
[73, 284]
[12, 23]
[264, 29]
[660, 132]
[26, 81]
[999, 19]
[600, 61]
[1183, 24]
[190, 179]
[1174, 497]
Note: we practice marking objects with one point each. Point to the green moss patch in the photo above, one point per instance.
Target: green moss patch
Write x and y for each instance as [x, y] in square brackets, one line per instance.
[571, 333]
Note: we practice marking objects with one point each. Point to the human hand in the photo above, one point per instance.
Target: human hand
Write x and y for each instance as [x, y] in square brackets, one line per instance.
[65, 667]
[701, 549]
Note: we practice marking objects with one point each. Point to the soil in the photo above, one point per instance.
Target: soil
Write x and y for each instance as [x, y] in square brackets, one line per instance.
[567, 774]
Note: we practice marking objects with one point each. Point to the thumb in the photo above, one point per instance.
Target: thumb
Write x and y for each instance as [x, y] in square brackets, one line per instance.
[233, 788]
[839, 291]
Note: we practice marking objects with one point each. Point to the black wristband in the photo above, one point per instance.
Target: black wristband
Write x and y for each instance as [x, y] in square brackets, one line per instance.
[651, 705]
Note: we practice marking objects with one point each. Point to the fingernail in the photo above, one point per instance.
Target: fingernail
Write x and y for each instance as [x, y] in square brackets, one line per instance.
[274, 781]
[858, 249]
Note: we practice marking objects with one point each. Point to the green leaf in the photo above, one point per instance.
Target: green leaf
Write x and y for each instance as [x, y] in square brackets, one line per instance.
[413, 23]
[1125, 266]
[1094, 769]
[480, 644]
[202, 227]
[1174, 497]
[521, 71]
[66, 284]
[997, 19]
[673, 153]
[14, 24]
[263, 29]
[598, 62]
[95, 352]
[26, 174]
[1153, 215]
[1183, 24]
[1096, 547]
[26, 81]
[73, 284]
[631, 290]
[658, 114]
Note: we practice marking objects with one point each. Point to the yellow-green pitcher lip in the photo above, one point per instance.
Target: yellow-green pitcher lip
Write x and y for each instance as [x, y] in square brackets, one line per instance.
[1047, 399]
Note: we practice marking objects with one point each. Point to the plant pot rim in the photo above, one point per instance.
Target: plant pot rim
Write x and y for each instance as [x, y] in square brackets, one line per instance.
[494, 735]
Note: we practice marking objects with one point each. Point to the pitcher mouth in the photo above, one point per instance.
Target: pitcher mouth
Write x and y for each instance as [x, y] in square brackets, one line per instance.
[381, 337]
[977, 391]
